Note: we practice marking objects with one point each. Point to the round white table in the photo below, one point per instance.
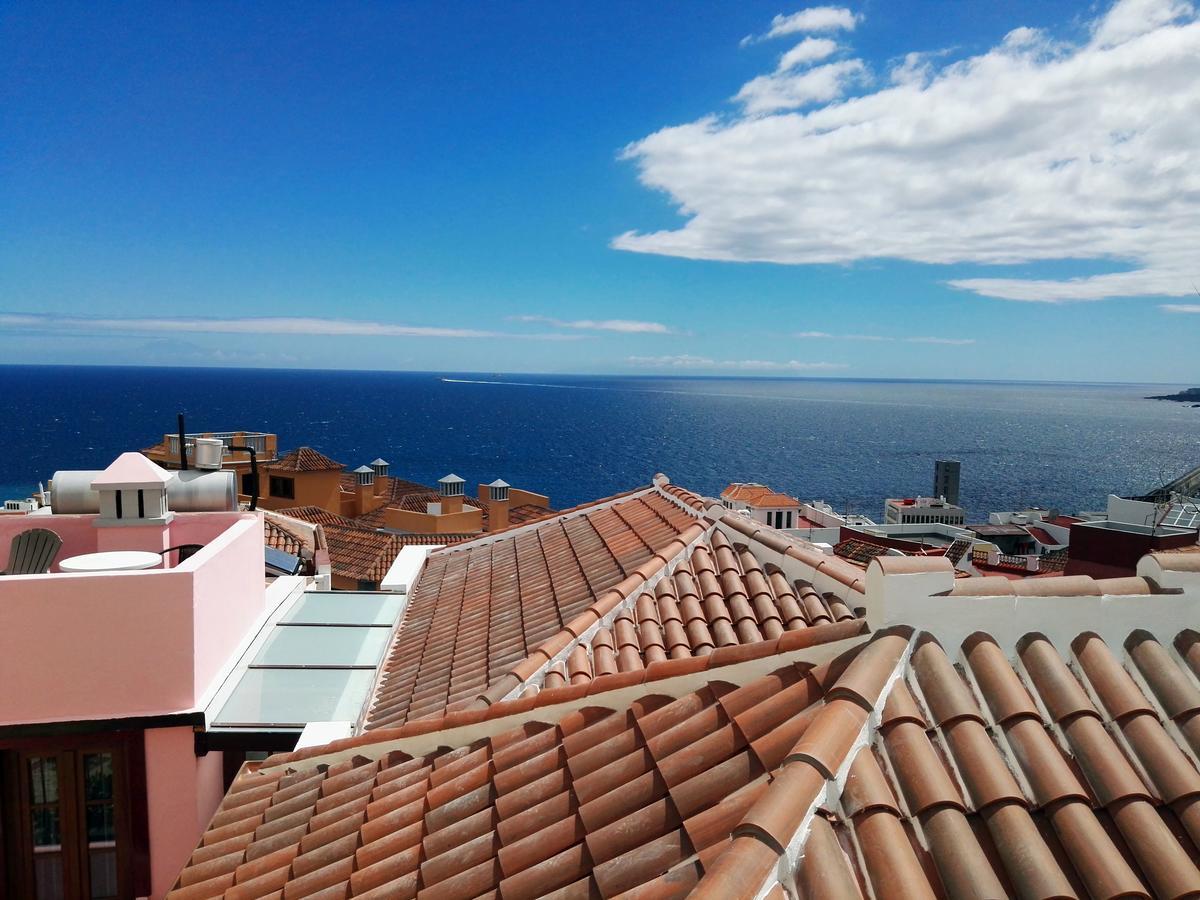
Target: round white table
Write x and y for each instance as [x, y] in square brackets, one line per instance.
[111, 561]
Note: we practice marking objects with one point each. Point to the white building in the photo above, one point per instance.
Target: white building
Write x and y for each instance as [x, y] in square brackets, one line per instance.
[762, 503]
[922, 510]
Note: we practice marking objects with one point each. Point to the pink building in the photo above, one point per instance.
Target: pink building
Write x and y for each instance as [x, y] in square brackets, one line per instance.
[105, 785]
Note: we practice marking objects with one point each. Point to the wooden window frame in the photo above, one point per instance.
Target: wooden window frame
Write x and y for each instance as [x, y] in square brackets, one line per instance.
[129, 810]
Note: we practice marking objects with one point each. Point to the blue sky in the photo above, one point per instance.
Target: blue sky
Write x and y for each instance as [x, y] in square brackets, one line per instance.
[897, 189]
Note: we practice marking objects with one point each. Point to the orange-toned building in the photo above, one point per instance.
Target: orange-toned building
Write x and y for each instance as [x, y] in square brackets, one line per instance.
[265, 447]
[367, 515]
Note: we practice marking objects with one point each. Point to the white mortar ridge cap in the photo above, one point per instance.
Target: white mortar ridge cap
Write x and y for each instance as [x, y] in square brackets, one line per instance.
[627, 603]
[793, 852]
[617, 699]
[1008, 619]
[661, 490]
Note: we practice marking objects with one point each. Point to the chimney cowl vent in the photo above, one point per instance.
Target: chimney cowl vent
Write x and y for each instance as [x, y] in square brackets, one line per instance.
[365, 475]
[451, 485]
[380, 467]
[498, 490]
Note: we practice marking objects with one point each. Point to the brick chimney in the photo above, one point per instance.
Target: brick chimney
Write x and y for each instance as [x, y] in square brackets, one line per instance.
[495, 495]
[382, 479]
[451, 489]
[364, 489]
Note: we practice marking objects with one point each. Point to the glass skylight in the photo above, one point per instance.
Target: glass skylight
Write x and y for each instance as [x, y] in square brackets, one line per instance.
[316, 663]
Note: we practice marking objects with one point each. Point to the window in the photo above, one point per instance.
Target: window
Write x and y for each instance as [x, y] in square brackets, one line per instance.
[789, 520]
[283, 487]
[248, 483]
[69, 820]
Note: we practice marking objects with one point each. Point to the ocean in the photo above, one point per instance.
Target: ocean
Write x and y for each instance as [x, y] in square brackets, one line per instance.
[576, 438]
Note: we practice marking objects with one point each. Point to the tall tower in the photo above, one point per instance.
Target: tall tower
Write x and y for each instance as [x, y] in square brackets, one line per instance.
[945, 479]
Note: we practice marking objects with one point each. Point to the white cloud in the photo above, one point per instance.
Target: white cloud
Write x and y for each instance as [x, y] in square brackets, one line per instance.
[1134, 18]
[815, 18]
[622, 326]
[956, 342]
[688, 361]
[1181, 307]
[1033, 151]
[789, 90]
[255, 325]
[809, 50]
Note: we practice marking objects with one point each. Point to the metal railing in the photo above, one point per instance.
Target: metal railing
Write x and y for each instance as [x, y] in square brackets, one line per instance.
[255, 439]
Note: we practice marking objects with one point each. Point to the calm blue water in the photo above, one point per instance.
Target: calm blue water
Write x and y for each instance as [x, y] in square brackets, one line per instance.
[851, 443]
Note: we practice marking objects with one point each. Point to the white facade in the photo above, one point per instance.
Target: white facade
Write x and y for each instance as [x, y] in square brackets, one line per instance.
[923, 510]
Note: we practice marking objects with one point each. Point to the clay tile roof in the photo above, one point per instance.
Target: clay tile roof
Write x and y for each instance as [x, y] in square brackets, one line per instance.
[758, 495]
[859, 551]
[318, 516]
[524, 513]
[360, 554]
[656, 792]
[502, 595]
[278, 536]
[695, 501]
[719, 602]
[1178, 561]
[304, 459]
[1110, 808]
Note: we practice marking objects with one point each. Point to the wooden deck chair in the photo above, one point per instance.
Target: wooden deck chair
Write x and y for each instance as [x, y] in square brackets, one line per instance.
[32, 552]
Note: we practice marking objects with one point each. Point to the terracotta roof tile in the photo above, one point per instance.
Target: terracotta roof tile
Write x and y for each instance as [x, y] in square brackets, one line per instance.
[304, 459]
[693, 612]
[318, 516]
[278, 536]
[1078, 818]
[597, 801]
[360, 554]
[481, 608]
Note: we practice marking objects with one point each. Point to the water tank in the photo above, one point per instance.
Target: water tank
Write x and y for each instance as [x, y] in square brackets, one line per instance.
[207, 453]
[72, 493]
[190, 491]
[198, 491]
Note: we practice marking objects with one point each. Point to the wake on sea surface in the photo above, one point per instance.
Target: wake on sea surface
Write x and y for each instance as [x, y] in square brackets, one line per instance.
[851, 443]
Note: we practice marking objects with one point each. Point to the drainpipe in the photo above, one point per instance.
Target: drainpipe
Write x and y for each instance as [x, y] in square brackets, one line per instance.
[253, 474]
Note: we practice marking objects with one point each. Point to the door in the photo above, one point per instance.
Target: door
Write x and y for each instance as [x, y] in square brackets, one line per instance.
[68, 822]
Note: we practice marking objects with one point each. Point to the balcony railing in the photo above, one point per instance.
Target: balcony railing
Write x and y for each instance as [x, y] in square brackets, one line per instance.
[256, 440]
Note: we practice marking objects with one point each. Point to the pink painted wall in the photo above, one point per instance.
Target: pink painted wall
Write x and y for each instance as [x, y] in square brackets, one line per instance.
[95, 646]
[113, 644]
[80, 536]
[77, 534]
[225, 609]
[182, 793]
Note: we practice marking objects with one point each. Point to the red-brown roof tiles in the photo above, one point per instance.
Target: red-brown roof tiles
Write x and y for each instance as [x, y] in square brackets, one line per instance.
[695, 501]
[593, 802]
[304, 459]
[1105, 802]
[717, 600]
[481, 608]
[318, 516]
[280, 537]
[360, 554]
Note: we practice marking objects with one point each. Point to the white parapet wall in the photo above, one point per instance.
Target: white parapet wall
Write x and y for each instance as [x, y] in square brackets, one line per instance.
[916, 591]
[403, 574]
